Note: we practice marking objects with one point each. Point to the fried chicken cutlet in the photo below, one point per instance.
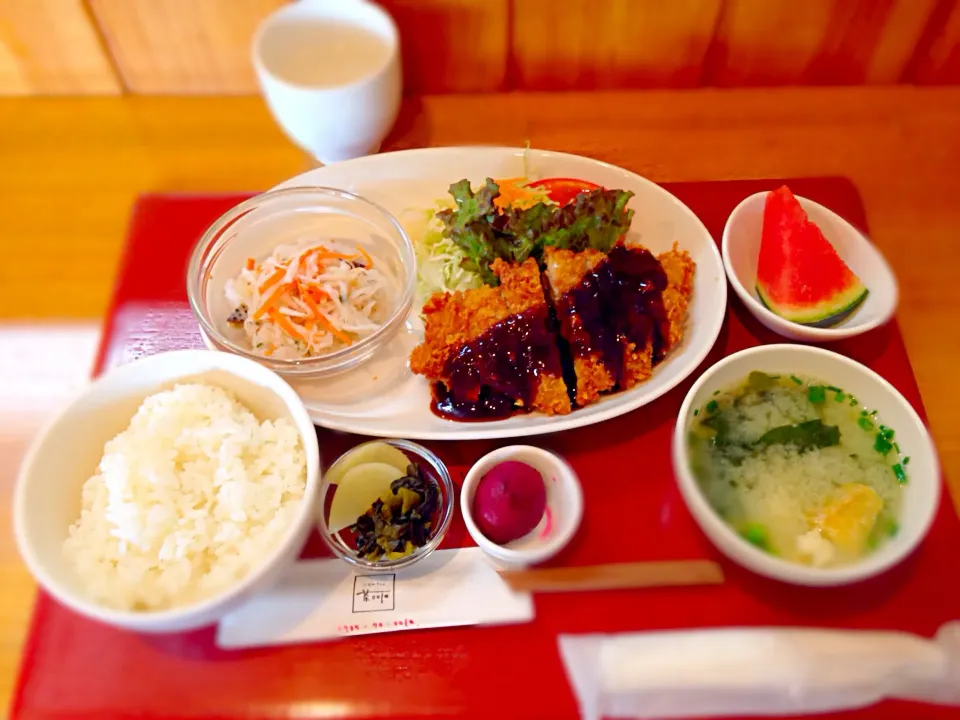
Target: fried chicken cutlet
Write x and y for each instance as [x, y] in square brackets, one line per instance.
[620, 312]
[578, 299]
[490, 350]
[679, 268]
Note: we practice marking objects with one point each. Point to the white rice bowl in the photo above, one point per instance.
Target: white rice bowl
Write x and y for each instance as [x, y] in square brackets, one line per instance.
[226, 570]
[188, 500]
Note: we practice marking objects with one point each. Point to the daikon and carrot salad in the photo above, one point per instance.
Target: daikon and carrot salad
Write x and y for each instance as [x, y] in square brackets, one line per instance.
[310, 298]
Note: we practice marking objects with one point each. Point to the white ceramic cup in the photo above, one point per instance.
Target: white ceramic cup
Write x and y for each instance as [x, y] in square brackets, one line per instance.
[330, 73]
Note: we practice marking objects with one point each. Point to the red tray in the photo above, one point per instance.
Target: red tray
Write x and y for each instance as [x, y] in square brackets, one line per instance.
[74, 668]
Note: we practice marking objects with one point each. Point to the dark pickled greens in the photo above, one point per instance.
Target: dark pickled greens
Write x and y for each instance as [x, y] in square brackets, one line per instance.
[595, 219]
[395, 528]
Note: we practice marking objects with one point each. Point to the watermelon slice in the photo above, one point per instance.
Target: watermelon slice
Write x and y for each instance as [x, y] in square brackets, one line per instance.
[800, 277]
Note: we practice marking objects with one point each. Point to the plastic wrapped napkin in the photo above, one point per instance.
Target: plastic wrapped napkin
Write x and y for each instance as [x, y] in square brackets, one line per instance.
[757, 671]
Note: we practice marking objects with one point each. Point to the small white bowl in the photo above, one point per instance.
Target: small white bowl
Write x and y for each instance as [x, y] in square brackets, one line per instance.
[741, 251]
[921, 495]
[47, 498]
[560, 521]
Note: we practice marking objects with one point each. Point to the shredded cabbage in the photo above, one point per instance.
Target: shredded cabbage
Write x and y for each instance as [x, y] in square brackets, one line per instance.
[439, 263]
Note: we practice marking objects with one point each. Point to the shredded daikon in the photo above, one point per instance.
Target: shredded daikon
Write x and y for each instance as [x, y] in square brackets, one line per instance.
[310, 298]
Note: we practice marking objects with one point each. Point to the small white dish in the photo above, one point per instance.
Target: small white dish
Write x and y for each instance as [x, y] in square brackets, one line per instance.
[741, 251]
[47, 498]
[921, 495]
[560, 520]
[330, 73]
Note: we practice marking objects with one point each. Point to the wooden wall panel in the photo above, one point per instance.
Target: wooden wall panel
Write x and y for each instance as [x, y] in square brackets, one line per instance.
[203, 46]
[584, 44]
[815, 42]
[452, 45]
[937, 59]
[183, 46]
[52, 47]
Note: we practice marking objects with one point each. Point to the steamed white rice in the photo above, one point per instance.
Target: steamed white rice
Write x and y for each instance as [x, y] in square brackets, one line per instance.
[187, 500]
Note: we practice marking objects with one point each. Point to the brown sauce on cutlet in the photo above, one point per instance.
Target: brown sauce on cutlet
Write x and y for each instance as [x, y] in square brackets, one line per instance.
[621, 299]
[497, 373]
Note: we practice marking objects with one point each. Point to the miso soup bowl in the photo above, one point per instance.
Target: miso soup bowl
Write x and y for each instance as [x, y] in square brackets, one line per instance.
[921, 493]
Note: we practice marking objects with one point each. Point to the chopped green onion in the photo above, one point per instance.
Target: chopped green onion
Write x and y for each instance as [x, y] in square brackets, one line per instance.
[756, 535]
[696, 412]
[901, 475]
[840, 397]
[853, 401]
[887, 432]
[834, 388]
[716, 392]
[873, 413]
[906, 460]
[882, 445]
[865, 423]
[816, 394]
[863, 413]
[797, 380]
[712, 406]
[897, 448]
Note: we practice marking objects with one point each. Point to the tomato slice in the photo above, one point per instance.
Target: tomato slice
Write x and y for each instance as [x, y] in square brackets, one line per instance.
[563, 190]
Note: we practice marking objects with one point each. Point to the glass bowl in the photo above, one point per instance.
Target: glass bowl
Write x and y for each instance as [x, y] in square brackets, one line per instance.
[256, 226]
[433, 467]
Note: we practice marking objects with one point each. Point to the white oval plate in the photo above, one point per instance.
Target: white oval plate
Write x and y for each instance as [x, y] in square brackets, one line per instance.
[383, 398]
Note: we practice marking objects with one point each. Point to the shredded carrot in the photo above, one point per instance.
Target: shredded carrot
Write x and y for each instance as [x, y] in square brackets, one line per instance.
[319, 318]
[251, 263]
[513, 193]
[330, 328]
[330, 255]
[270, 302]
[269, 351]
[276, 277]
[307, 255]
[284, 322]
[311, 303]
[366, 257]
[312, 289]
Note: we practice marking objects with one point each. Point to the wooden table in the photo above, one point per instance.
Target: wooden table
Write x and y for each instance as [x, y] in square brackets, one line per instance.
[72, 168]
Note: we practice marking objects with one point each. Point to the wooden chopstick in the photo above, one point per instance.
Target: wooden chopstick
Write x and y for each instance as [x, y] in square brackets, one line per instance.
[614, 576]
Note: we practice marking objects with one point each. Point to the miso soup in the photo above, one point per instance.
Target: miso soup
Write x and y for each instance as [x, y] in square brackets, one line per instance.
[799, 467]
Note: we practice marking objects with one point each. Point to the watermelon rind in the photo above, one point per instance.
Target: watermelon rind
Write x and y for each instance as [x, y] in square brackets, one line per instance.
[825, 313]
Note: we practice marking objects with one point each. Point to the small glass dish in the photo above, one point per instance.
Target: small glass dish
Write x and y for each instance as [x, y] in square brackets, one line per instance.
[433, 467]
[256, 226]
